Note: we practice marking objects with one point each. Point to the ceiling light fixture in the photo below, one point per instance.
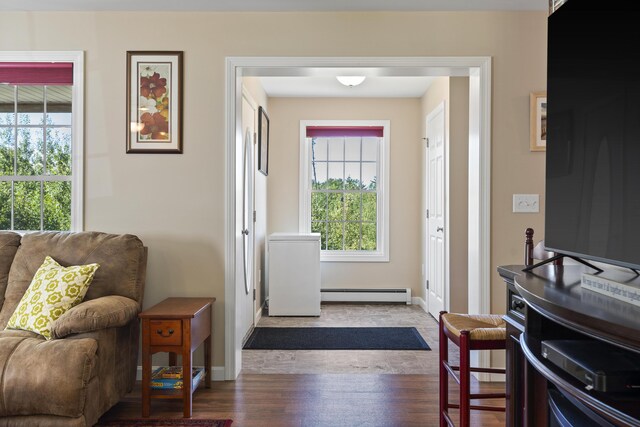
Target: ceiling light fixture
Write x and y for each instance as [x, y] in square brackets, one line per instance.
[350, 81]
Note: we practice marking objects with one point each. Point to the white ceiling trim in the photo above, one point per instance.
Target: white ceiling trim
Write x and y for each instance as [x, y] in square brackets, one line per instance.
[272, 5]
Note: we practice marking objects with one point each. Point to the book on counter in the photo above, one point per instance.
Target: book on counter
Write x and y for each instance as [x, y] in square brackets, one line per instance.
[614, 285]
[170, 377]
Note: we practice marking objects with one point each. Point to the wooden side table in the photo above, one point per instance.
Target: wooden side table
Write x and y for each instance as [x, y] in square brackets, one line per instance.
[176, 326]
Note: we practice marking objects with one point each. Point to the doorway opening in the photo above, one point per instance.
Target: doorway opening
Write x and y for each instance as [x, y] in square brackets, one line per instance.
[478, 69]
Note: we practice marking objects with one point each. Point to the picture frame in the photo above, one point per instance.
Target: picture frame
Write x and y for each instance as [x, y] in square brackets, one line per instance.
[154, 102]
[538, 121]
[263, 141]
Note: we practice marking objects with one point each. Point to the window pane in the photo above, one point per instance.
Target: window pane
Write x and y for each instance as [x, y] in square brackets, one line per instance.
[352, 236]
[370, 149]
[6, 150]
[336, 149]
[334, 238]
[369, 241]
[318, 206]
[336, 175]
[352, 149]
[57, 206]
[352, 176]
[369, 207]
[59, 151]
[5, 205]
[319, 149]
[352, 206]
[335, 207]
[319, 175]
[26, 205]
[344, 192]
[30, 105]
[7, 104]
[369, 180]
[30, 145]
[59, 105]
[320, 227]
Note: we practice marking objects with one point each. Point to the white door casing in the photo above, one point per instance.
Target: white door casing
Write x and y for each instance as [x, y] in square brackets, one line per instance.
[479, 70]
[436, 254]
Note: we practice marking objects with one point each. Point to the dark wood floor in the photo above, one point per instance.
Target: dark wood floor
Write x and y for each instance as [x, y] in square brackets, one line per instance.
[315, 400]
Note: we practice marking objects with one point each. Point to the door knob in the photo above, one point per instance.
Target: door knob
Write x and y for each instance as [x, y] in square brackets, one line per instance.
[439, 229]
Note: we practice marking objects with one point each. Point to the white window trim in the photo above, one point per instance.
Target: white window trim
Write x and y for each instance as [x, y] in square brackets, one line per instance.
[304, 209]
[77, 120]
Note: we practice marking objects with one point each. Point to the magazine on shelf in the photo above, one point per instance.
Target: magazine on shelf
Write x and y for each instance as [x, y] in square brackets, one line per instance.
[168, 372]
[158, 381]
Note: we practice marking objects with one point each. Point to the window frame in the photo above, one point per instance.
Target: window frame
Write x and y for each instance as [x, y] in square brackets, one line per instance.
[381, 254]
[77, 123]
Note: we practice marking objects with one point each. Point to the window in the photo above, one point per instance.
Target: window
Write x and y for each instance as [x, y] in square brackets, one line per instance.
[40, 142]
[343, 185]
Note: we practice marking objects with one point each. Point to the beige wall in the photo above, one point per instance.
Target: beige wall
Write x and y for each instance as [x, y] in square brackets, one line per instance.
[175, 203]
[459, 188]
[403, 268]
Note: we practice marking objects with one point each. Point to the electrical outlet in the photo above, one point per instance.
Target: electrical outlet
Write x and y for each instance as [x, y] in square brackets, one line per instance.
[527, 203]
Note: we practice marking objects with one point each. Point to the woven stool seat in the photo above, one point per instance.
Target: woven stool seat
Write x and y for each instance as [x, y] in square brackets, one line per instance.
[481, 327]
[469, 332]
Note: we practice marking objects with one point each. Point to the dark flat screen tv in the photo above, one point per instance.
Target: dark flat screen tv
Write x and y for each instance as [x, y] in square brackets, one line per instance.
[593, 131]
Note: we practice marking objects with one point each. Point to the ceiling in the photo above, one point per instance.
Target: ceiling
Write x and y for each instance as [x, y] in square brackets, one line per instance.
[329, 87]
[272, 5]
[321, 82]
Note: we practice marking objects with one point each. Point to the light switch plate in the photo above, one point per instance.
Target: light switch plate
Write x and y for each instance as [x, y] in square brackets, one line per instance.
[527, 203]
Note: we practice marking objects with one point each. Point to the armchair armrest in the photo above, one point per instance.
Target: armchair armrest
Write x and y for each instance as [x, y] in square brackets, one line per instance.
[100, 313]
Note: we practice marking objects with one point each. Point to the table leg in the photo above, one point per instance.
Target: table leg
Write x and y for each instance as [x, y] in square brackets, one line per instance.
[187, 384]
[173, 359]
[207, 361]
[146, 370]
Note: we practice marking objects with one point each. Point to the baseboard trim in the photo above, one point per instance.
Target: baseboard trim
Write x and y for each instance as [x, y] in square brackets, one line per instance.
[258, 315]
[217, 373]
[420, 302]
[490, 378]
[401, 295]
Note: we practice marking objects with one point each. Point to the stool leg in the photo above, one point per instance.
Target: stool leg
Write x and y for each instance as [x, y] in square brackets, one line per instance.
[465, 384]
[444, 375]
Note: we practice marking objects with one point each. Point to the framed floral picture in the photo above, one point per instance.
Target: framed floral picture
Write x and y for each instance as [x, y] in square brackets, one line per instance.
[538, 121]
[154, 102]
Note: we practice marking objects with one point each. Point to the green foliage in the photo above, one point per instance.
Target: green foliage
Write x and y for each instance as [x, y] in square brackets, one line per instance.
[345, 219]
[29, 161]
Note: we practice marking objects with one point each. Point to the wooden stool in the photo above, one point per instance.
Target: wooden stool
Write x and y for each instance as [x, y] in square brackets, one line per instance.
[468, 332]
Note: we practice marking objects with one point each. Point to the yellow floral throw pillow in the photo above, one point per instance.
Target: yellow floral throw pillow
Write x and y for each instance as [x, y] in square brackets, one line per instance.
[53, 290]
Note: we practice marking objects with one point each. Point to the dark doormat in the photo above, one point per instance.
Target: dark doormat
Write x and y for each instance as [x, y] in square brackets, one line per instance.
[336, 339]
[171, 422]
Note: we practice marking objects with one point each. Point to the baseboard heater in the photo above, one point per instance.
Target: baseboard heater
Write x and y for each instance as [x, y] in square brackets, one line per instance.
[367, 295]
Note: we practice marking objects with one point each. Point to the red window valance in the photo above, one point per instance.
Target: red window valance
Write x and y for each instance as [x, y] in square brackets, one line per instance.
[341, 131]
[36, 73]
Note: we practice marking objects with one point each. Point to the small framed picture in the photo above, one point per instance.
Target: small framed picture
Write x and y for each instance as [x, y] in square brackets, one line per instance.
[263, 141]
[538, 121]
[154, 102]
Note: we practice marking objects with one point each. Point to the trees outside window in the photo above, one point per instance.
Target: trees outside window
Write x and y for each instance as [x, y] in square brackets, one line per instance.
[35, 157]
[41, 141]
[343, 181]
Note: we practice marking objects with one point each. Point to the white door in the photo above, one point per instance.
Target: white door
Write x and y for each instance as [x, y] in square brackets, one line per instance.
[244, 220]
[435, 186]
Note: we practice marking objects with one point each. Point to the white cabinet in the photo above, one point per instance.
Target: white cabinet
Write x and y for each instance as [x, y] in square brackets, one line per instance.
[294, 274]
